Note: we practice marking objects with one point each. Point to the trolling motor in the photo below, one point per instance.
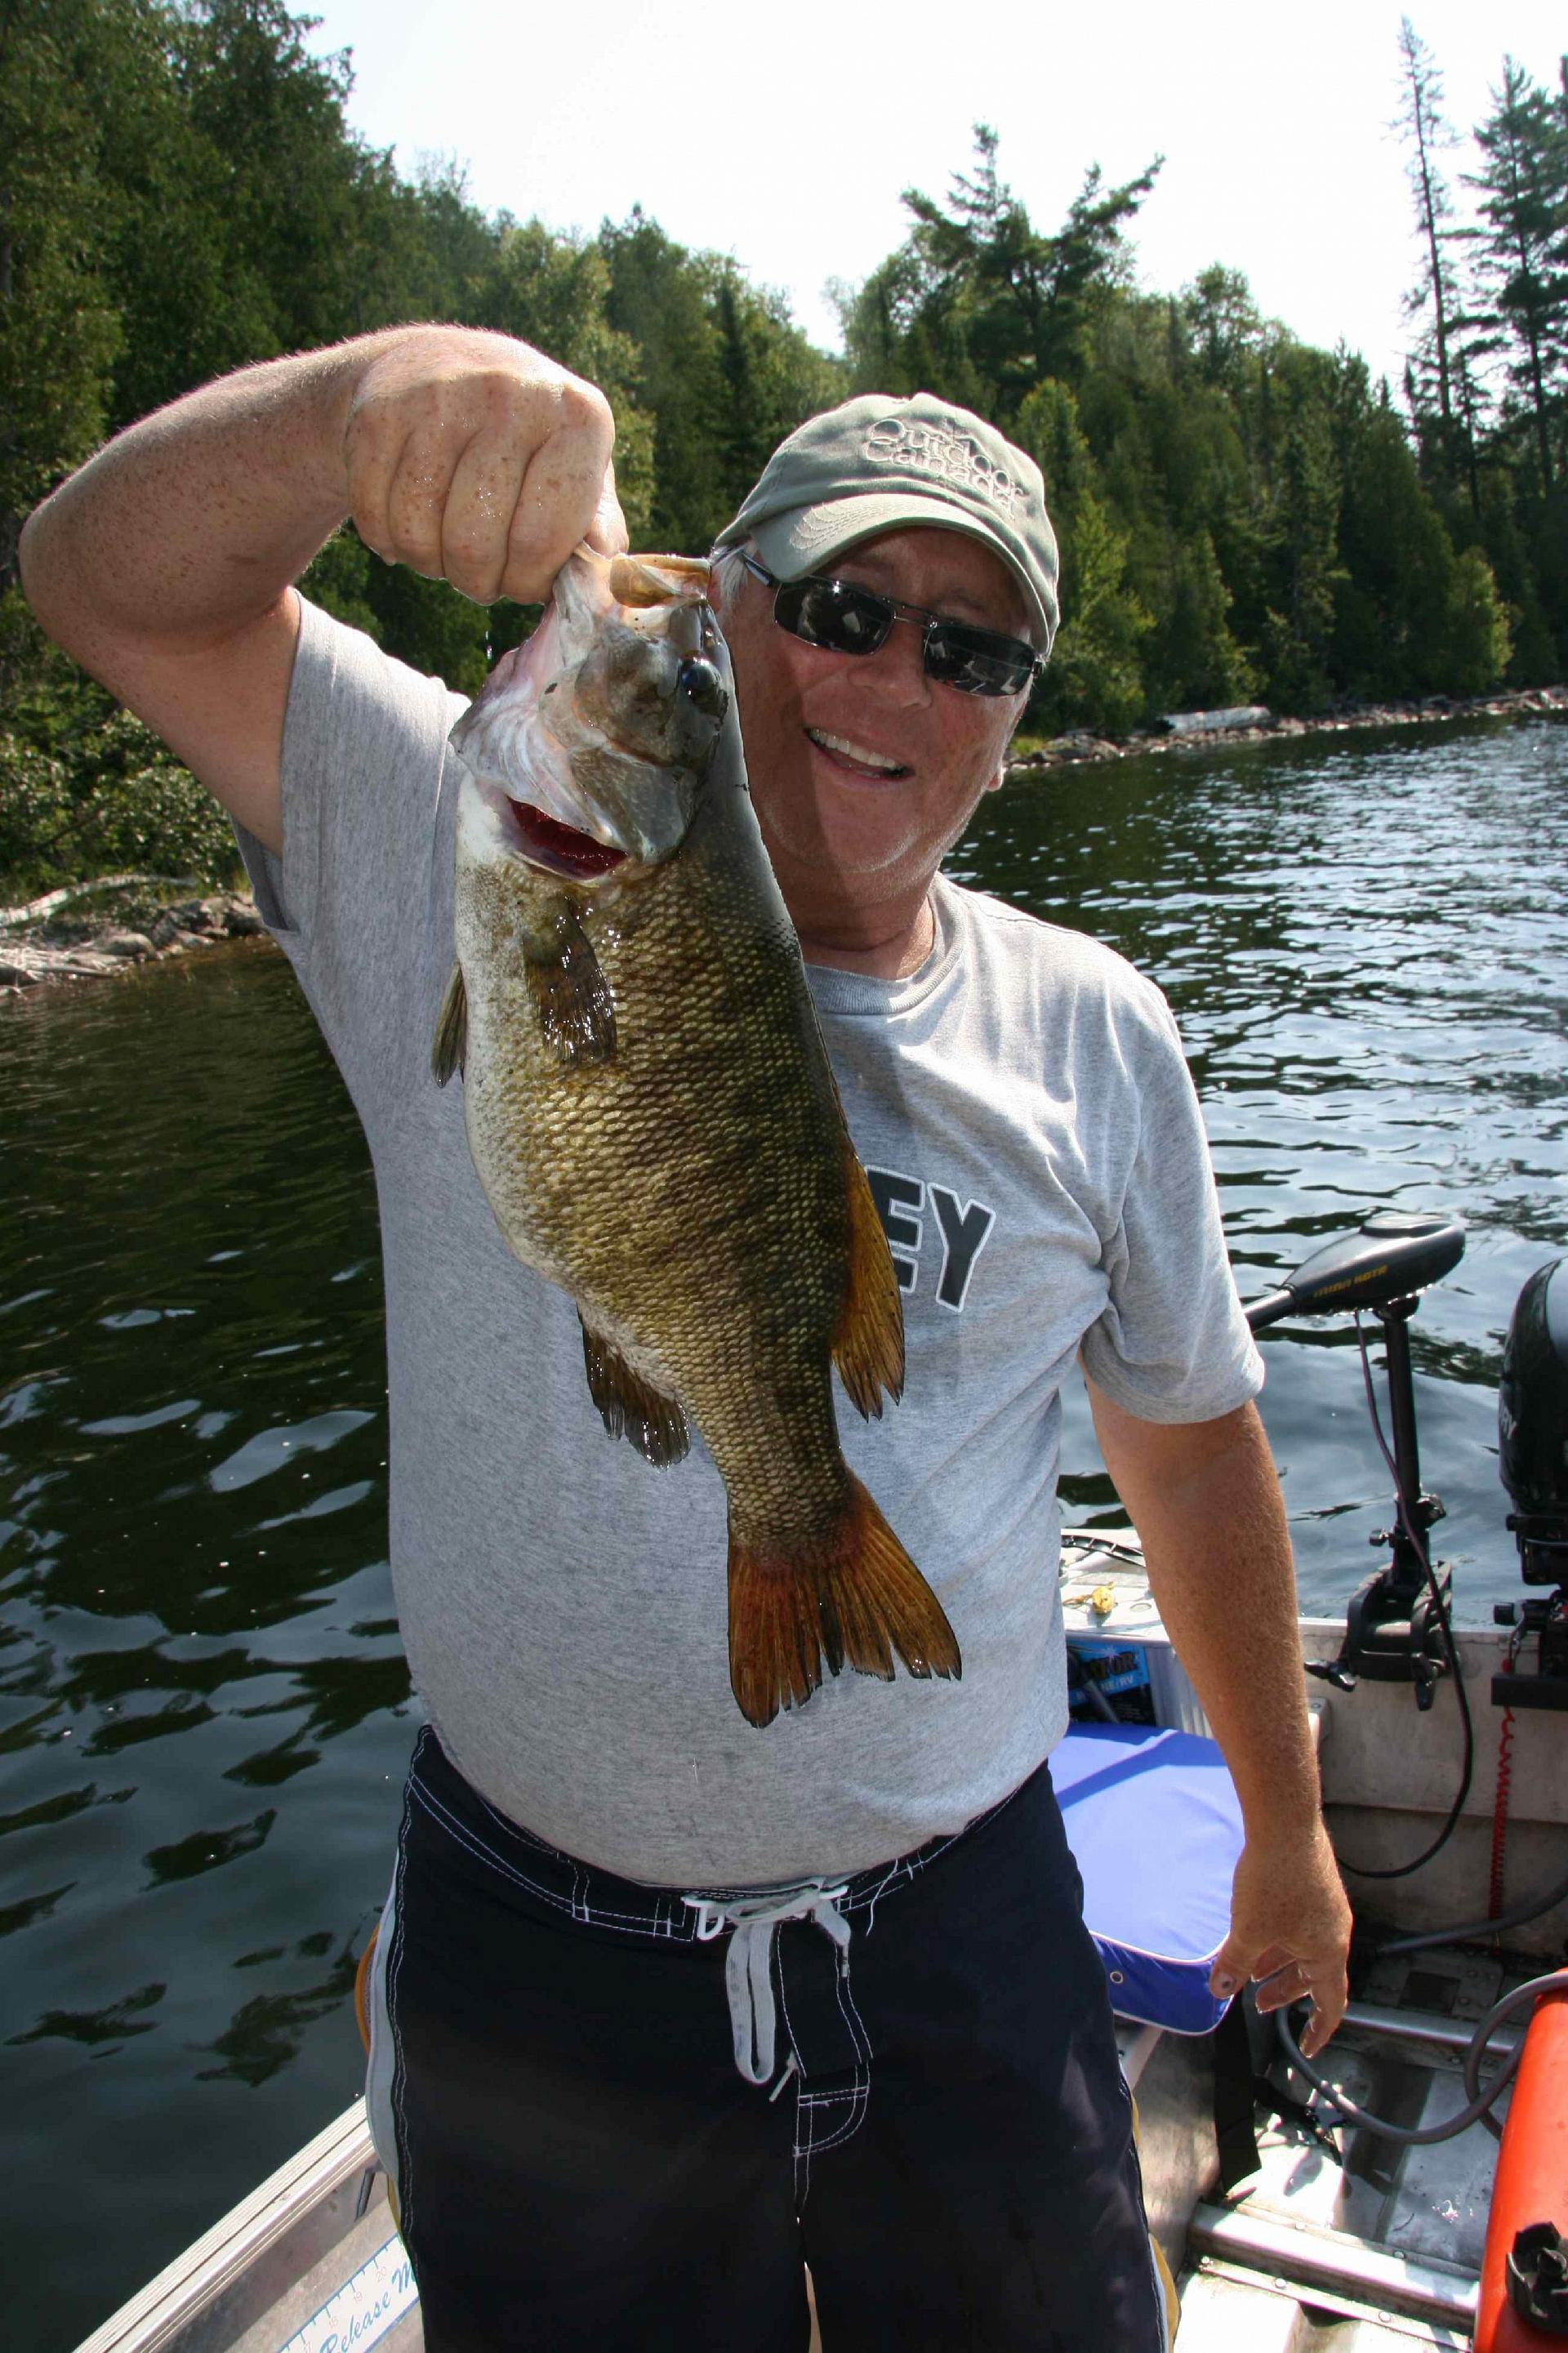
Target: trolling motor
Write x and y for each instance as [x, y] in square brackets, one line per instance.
[1397, 1625]
[1533, 1434]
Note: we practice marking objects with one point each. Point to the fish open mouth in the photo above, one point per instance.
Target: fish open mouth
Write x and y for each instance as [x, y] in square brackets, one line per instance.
[545, 841]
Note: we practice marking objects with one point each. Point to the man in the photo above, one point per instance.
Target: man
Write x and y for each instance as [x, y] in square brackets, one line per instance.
[664, 2002]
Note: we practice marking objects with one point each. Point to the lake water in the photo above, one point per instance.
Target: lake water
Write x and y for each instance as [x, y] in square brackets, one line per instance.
[204, 1713]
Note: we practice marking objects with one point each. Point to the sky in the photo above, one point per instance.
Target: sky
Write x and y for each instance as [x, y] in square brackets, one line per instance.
[784, 136]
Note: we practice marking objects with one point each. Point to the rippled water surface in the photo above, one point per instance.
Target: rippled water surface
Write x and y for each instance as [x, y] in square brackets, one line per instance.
[204, 1713]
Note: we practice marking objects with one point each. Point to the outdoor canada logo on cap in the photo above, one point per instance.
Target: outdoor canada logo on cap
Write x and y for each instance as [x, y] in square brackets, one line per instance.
[946, 450]
[876, 463]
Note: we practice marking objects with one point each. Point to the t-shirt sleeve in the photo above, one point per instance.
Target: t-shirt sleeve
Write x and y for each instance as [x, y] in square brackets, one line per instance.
[363, 754]
[1171, 1344]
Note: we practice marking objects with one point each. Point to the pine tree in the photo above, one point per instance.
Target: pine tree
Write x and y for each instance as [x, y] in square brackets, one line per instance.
[1443, 361]
[980, 304]
[1522, 198]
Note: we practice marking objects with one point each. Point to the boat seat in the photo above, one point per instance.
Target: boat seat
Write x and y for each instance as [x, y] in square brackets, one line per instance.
[1154, 1826]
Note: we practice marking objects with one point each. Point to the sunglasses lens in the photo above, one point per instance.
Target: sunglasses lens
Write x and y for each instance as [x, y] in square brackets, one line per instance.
[844, 619]
[978, 661]
[831, 613]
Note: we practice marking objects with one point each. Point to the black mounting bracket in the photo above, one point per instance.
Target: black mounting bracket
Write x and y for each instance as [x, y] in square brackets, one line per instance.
[1396, 1626]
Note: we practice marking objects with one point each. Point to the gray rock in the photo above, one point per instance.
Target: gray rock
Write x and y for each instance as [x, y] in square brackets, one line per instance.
[132, 946]
[242, 922]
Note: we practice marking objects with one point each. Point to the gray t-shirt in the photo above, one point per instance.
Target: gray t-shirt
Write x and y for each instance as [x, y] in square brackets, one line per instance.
[1034, 1145]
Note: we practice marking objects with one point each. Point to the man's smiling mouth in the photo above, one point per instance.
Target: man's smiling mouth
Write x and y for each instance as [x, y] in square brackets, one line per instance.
[856, 756]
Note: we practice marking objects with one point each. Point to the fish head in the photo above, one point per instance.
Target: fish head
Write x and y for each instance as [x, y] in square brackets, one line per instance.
[590, 741]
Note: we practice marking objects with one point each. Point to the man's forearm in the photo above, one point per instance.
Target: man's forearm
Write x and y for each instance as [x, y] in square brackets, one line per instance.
[191, 525]
[1206, 1502]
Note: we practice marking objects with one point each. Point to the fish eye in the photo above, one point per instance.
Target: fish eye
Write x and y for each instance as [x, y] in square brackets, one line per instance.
[701, 685]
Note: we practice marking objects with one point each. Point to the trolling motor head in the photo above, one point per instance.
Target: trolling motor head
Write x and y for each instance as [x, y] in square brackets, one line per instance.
[1533, 1451]
[1396, 1626]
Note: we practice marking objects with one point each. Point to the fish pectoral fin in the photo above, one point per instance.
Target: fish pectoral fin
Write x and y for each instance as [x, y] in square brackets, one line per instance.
[450, 1050]
[868, 1344]
[630, 1406]
[571, 996]
[849, 1596]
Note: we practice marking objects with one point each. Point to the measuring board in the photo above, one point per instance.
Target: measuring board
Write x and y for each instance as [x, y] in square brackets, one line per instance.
[364, 2308]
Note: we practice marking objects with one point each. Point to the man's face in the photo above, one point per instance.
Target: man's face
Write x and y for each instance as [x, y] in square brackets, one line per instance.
[820, 727]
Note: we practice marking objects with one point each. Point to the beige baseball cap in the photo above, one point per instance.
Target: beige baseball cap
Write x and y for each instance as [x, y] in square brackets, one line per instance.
[878, 463]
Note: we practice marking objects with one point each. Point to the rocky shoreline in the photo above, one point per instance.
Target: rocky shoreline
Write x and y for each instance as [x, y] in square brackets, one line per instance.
[75, 947]
[1081, 745]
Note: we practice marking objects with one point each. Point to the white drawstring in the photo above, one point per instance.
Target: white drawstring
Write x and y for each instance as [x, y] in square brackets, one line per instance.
[748, 1964]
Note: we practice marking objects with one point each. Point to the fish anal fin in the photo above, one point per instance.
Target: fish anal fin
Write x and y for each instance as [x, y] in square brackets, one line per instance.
[630, 1406]
[851, 1596]
[576, 1010]
[449, 1051]
[868, 1343]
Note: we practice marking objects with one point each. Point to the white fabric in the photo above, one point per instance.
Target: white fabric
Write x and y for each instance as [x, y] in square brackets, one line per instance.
[749, 1960]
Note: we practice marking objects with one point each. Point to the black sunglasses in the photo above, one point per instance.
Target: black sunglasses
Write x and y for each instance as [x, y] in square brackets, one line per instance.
[846, 618]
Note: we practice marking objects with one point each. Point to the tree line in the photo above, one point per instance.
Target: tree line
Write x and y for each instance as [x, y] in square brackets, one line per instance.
[1241, 515]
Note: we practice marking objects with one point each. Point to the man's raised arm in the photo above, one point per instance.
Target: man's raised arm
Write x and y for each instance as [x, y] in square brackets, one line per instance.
[164, 566]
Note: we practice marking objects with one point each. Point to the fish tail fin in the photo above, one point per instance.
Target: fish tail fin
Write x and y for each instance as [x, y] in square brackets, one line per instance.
[849, 1595]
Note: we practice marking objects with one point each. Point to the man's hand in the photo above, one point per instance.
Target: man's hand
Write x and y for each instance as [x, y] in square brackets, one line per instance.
[477, 460]
[1290, 1931]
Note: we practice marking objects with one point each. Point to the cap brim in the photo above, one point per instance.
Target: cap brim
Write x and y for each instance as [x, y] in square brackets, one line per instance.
[806, 538]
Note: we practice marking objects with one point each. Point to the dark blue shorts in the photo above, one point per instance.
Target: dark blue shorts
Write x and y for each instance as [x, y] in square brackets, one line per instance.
[938, 2128]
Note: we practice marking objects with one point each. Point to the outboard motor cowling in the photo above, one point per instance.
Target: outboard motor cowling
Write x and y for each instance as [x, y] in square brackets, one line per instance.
[1532, 1424]
[1533, 1434]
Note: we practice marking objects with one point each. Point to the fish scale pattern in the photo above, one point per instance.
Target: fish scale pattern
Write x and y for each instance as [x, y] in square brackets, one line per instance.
[690, 1191]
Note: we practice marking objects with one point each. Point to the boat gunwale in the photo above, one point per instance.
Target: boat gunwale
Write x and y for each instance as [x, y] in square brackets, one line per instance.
[194, 2285]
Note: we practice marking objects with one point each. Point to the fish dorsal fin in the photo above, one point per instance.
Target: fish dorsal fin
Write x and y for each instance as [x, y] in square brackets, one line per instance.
[630, 1406]
[868, 1344]
[450, 1050]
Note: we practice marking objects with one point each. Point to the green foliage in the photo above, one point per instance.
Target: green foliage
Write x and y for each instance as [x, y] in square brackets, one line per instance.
[1238, 516]
[1521, 257]
[1094, 679]
[719, 375]
[85, 788]
[1477, 629]
[59, 331]
[113, 800]
[984, 304]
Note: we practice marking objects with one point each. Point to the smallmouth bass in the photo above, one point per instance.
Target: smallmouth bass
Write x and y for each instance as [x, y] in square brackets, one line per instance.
[652, 1115]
